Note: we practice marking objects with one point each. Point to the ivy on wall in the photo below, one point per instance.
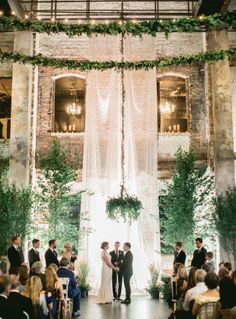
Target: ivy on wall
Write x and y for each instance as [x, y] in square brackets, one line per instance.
[40, 60]
[189, 24]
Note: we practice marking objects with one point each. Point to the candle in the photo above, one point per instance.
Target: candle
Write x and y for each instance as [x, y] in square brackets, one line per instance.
[73, 127]
[170, 128]
[65, 128]
[69, 128]
[178, 127]
[174, 127]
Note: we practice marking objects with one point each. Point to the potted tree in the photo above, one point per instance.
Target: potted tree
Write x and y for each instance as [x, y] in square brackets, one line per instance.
[154, 287]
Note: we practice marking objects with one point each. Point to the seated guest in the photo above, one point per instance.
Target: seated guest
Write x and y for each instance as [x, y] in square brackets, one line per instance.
[210, 296]
[210, 262]
[191, 278]
[181, 281]
[35, 292]
[51, 254]
[15, 255]
[54, 266]
[180, 255]
[37, 270]
[73, 292]
[228, 266]
[200, 288]
[8, 310]
[33, 253]
[67, 253]
[23, 276]
[227, 290]
[24, 303]
[54, 293]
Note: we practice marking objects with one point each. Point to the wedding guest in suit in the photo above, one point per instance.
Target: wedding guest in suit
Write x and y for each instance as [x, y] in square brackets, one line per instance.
[51, 254]
[127, 271]
[15, 255]
[24, 303]
[199, 255]
[117, 257]
[7, 309]
[73, 291]
[180, 255]
[33, 253]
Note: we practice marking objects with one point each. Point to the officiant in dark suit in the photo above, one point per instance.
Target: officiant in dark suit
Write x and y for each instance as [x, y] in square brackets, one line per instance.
[15, 255]
[180, 255]
[117, 257]
[33, 253]
[199, 255]
[127, 271]
[51, 254]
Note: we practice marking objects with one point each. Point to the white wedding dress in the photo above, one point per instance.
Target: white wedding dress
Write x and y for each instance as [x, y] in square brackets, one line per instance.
[105, 294]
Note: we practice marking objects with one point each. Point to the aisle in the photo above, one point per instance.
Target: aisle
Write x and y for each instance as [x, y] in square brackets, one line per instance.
[142, 307]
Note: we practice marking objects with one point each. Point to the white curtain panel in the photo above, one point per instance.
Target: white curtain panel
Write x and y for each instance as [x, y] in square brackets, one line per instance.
[102, 163]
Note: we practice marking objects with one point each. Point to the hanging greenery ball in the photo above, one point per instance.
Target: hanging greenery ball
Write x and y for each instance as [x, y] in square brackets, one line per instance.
[124, 208]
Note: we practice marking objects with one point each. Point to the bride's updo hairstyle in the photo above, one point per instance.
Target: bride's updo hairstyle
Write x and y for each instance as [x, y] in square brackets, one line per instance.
[104, 244]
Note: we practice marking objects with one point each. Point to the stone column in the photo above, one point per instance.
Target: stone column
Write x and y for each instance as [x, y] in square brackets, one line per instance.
[222, 113]
[21, 113]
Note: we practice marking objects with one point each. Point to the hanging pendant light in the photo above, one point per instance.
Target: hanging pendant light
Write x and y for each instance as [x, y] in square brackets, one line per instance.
[74, 108]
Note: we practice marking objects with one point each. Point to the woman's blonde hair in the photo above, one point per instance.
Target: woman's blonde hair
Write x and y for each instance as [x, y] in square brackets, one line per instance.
[51, 277]
[68, 246]
[33, 289]
[182, 273]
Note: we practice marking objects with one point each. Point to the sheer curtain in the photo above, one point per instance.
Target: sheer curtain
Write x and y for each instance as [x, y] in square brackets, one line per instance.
[102, 164]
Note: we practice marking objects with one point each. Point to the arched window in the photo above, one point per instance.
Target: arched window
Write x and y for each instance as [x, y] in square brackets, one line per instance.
[172, 102]
[5, 107]
[69, 104]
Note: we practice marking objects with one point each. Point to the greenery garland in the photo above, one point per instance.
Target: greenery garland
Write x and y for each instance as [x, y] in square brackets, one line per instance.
[40, 60]
[191, 24]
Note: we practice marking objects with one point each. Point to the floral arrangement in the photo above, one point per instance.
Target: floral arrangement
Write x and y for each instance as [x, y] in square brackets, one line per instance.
[155, 286]
[124, 207]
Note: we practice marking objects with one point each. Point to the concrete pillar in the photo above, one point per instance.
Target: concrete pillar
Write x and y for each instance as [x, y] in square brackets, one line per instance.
[222, 113]
[21, 113]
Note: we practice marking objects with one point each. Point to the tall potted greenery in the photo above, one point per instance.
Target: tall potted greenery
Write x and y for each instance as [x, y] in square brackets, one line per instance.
[82, 279]
[55, 184]
[154, 287]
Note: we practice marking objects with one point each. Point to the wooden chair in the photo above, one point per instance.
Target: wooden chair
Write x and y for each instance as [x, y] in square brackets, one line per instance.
[69, 303]
[209, 310]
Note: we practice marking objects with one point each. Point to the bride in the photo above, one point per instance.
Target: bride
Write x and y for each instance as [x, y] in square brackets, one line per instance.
[105, 294]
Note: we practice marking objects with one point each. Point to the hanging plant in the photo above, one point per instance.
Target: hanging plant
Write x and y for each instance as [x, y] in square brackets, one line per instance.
[124, 207]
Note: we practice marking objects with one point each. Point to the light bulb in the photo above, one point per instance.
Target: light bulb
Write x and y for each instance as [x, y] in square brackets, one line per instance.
[13, 13]
[26, 16]
[66, 20]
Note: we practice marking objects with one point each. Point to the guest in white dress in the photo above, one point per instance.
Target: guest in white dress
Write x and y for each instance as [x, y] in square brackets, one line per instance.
[105, 293]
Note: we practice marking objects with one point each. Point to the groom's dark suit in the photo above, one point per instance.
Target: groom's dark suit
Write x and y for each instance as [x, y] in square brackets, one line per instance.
[116, 260]
[127, 271]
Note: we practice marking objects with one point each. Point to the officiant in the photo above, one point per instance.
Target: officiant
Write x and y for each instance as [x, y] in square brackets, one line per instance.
[117, 257]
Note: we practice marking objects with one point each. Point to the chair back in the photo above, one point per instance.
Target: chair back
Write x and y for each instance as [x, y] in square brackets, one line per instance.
[65, 285]
[208, 310]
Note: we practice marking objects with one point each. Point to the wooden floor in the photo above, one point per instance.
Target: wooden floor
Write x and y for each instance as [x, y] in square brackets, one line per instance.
[142, 307]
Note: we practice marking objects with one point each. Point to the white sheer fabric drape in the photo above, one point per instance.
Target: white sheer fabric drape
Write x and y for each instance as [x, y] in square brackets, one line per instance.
[102, 164]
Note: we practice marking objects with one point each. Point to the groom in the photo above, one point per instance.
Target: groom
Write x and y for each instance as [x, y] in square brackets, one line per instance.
[127, 271]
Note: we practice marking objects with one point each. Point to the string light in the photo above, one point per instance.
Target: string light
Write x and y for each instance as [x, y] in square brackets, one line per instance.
[120, 22]
[134, 21]
[66, 20]
[53, 19]
[107, 21]
[13, 13]
[26, 16]
[93, 22]
[39, 18]
[1, 13]
[201, 17]
[160, 21]
[79, 21]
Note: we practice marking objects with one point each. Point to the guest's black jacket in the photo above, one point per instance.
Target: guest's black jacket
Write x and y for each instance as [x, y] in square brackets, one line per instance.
[24, 303]
[199, 257]
[227, 293]
[9, 310]
[117, 258]
[127, 265]
[16, 258]
[33, 256]
[180, 257]
[51, 258]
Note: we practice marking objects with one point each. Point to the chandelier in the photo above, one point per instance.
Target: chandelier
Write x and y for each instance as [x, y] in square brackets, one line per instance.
[167, 107]
[74, 108]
